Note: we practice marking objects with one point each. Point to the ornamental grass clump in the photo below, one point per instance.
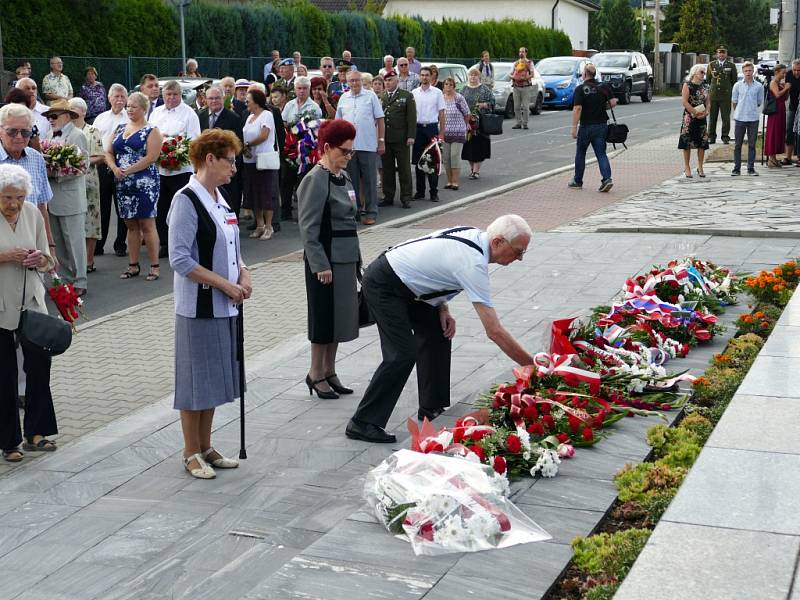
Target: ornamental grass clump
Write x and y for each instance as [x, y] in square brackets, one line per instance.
[609, 555]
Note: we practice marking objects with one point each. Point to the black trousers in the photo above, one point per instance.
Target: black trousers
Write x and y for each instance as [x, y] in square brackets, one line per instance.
[396, 161]
[107, 190]
[234, 188]
[40, 417]
[170, 184]
[424, 135]
[410, 334]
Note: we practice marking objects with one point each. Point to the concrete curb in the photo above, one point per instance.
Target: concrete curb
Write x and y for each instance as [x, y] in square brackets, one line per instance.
[456, 204]
[700, 231]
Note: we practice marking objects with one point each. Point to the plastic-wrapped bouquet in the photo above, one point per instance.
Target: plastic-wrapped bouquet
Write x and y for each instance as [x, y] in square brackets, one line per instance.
[66, 299]
[63, 160]
[174, 153]
[445, 504]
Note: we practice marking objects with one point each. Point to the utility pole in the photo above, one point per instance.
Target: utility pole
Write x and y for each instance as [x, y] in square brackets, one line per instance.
[656, 49]
[181, 4]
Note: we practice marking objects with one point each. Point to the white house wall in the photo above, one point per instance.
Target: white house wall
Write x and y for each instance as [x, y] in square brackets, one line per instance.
[570, 18]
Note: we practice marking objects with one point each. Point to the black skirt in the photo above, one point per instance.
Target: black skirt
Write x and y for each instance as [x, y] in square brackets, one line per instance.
[332, 308]
[477, 149]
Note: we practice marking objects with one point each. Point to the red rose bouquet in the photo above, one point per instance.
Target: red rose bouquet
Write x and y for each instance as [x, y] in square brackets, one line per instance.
[67, 301]
[174, 153]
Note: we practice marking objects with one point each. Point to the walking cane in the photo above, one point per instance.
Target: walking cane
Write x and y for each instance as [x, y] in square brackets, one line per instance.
[240, 357]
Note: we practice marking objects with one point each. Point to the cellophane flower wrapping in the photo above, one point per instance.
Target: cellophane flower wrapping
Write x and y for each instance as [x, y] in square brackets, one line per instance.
[174, 153]
[443, 504]
[63, 160]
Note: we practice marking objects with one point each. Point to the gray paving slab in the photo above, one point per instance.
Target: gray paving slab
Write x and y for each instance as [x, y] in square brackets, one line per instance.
[776, 420]
[762, 379]
[564, 524]
[571, 492]
[783, 341]
[690, 561]
[746, 484]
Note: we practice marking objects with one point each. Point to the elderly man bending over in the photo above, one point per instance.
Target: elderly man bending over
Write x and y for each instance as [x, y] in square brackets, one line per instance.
[407, 289]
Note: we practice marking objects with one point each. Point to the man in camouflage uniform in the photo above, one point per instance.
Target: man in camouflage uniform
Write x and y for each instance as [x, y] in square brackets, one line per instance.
[400, 117]
[721, 75]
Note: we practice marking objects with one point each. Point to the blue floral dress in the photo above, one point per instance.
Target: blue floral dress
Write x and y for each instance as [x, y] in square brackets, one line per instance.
[137, 194]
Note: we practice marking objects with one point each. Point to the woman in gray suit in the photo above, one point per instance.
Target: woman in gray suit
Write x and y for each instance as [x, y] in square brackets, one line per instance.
[327, 212]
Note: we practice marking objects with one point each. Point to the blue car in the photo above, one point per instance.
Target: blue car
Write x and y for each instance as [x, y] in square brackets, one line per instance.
[561, 75]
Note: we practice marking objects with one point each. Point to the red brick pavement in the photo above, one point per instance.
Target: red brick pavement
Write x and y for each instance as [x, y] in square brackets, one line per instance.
[549, 203]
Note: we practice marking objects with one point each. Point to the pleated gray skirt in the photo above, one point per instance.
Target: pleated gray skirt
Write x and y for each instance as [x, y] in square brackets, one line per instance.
[206, 368]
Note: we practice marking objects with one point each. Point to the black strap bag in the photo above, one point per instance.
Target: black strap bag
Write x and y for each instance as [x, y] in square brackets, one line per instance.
[770, 105]
[40, 332]
[490, 124]
[617, 132]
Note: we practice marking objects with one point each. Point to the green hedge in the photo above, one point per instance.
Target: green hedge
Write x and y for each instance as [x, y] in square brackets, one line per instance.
[121, 28]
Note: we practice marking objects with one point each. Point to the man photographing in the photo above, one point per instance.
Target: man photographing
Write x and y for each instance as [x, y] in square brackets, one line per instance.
[407, 290]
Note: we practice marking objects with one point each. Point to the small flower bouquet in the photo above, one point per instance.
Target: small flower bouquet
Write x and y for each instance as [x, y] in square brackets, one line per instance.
[430, 162]
[67, 301]
[300, 145]
[63, 160]
[444, 504]
[174, 153]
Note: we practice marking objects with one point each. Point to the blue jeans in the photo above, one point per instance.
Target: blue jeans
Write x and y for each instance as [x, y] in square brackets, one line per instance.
[596, 136]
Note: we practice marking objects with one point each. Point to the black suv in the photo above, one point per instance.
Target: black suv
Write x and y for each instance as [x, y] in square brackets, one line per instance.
[627, 72]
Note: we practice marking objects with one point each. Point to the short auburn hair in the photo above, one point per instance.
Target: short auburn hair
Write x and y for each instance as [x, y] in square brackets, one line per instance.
[335, 133]
[217, 142]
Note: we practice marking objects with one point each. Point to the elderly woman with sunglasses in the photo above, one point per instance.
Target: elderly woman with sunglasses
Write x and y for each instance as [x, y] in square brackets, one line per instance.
[327, 218]
[23, 249]
[694, 125]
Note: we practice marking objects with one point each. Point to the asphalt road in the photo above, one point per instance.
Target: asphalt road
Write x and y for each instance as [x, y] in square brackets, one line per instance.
[517, 154]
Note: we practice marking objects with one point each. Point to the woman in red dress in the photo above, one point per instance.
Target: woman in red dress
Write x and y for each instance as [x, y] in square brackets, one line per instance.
[776, 122]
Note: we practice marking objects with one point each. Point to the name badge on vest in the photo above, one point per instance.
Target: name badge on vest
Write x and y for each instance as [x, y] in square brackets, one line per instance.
[352, 195]
[231, 218]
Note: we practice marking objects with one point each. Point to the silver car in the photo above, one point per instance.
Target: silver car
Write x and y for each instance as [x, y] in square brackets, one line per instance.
[504, 99]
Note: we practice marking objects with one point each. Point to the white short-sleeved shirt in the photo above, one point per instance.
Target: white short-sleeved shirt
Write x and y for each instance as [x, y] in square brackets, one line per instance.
[252, 129]
[181, 120]
[438, 264]
[429, 103]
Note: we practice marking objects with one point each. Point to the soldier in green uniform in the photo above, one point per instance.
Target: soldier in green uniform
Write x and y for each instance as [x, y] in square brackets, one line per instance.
[286, 79]
[721, 75]
[400, 118]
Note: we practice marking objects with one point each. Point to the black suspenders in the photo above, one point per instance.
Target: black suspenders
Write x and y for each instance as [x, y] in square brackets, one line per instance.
[447, 234]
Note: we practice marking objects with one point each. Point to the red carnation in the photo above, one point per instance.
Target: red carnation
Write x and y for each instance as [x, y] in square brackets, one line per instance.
[514, 444]
[478, 435]
[673, 284]
[549, 422]
[536, 429]
[544, 409]
[574, 423]
[562, 438]
[530, 413]
[458, 435]
[499, 464]
[588, 434]
[599, 419]
[479, 451]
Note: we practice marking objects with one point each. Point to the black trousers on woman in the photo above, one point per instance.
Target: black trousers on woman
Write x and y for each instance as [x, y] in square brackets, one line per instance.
[40, 416]
[410, 333]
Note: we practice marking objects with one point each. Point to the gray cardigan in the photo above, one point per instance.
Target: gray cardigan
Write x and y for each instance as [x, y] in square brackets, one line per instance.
[184, 256]
[327, 219]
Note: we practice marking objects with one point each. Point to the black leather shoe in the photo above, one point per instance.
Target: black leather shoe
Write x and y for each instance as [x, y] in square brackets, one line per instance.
[368, 432]
[120, 251]
[163, 252]
[419, 196]
[276, 226]
[435, 198]
[423, 413]
[98, 251]
[406, 204]
[386, 202]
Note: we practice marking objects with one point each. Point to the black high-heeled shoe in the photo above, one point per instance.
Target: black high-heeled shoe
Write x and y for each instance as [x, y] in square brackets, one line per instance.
[337, 386]
[312, 387]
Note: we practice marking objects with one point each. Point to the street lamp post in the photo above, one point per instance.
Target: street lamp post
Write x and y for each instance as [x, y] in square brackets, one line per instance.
[181, 4]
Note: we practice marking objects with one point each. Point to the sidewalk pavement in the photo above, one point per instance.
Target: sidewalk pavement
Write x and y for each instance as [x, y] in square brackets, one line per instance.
[123, 362]
[115, 516]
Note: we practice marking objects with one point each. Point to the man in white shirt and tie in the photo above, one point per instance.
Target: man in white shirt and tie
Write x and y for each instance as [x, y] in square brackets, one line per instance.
[430, 124]
[173, 118]
[148, 85]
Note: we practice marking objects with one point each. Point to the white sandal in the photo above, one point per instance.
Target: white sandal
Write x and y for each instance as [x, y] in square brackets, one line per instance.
[221, 463]
[204, 471]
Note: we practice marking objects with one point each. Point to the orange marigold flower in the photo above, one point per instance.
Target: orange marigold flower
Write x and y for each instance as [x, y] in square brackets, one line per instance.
[776, 288]
[764, 325]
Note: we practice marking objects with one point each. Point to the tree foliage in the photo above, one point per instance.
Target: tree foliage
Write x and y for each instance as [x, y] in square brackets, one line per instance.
[614, 26]
[697, 32]
[671, 23]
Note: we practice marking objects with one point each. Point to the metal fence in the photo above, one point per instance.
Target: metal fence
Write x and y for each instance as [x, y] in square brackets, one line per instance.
[128, 71]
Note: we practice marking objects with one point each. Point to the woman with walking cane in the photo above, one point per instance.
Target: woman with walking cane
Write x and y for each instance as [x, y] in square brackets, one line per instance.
[211, 282]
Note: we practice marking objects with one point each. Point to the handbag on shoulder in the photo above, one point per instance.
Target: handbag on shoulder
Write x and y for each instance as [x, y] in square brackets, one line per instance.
[770, 104]
[40, 332]
[268, 161]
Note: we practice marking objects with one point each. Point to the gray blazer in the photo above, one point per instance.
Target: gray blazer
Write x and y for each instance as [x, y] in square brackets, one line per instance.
[327, 219]
[69, 193]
